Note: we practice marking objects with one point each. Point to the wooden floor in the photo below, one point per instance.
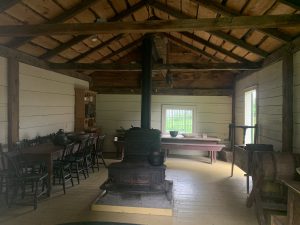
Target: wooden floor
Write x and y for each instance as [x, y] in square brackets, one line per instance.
[204, 194]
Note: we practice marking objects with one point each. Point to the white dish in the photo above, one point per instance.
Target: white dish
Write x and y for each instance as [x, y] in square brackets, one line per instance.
[188, 135]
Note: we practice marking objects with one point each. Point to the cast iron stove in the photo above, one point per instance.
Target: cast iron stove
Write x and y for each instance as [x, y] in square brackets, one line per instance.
[142, 170]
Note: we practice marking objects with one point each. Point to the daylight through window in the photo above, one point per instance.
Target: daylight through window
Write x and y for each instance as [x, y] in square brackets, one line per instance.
[179, 118]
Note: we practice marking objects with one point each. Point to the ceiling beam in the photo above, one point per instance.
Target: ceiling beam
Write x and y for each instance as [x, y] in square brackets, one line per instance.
[214, 47]
[60, 18]
[293, 3]
[240, 22]
[166, 91]
[236, 41]
[225, 11]
[96, 48]
[191, 47]
[76, 40]
[6, 4]
[156, 67]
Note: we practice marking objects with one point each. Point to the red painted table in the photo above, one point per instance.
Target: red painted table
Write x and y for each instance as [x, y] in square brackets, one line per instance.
[208, 144]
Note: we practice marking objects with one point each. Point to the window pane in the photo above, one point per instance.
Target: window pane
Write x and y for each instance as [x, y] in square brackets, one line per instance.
[180, 120]
[250, 115]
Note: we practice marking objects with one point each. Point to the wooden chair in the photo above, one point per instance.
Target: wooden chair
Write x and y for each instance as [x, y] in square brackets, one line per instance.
[22, 175]
[87, 152]
[98, 151]
[75, 156]
[62, 168]
[4, 174]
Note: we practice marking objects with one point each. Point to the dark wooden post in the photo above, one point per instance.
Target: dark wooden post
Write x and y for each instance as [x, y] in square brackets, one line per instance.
[13, 101]
[146, 82]
[287, 105]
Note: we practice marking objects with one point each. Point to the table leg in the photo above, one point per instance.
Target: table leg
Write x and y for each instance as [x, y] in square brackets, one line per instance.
[50, 175]
[233, 161]
[211, 157]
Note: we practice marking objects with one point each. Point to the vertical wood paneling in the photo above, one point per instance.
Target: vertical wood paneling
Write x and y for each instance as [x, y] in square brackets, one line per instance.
[287, 104]
[114, 111]
[47, 101]
[13, 101]
[296, 101]
[3, 100]
[269, 94]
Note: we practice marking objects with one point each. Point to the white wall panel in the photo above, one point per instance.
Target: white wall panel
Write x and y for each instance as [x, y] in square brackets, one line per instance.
[269, 94]
[114, 111]
[46, 101]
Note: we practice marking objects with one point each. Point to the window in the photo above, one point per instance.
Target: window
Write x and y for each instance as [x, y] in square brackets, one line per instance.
[179, 118]
[250, 114]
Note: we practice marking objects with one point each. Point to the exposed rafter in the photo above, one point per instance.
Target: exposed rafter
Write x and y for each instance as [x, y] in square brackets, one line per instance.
[179, 15]
[215, 47]
[6, 4]
[225, 11]
[61, 18]
[133, 44]
[63, 47]
[293, 3]
[241, 22]
[76, 40]
[191, 47]
[31, 60]
[156, 67]
[96, 48]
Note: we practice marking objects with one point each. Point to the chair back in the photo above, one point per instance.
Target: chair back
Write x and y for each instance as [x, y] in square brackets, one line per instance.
[100, 143]
[3, 162]
[89, 145]
[14, 161]
[68, 151]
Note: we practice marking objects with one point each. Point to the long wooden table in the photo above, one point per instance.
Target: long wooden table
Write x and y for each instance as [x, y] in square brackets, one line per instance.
[47, 153]
[208, 144]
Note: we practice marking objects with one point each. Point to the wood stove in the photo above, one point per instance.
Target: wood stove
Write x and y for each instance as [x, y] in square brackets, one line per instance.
[142, 170]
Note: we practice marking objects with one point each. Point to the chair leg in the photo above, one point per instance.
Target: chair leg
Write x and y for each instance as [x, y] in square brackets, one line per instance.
[71, 178]
[62, 177]
[97, 162]
[35, 195]
[103, 161]
[77, 172]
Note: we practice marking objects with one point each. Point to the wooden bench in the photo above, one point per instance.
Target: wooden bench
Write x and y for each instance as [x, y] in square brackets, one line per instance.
[211, 148]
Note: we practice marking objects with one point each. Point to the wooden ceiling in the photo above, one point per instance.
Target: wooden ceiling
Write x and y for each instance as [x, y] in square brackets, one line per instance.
[201, 45]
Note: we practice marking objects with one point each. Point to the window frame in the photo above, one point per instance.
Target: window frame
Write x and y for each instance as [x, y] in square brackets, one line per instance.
[252, 88]
[164, 107]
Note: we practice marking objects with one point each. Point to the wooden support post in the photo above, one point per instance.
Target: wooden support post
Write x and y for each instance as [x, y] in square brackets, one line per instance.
[13, 101]
[146, 82]
[287, 105]
[233, 101]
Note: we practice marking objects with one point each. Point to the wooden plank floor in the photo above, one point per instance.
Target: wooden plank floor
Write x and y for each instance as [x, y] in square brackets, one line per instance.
[204, 194]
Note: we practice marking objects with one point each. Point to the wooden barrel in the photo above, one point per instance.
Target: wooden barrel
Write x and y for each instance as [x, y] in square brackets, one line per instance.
[263, 164]
[285, 166]
[274, 165]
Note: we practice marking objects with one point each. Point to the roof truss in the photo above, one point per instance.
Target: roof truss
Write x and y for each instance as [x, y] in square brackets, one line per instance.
[240, 22]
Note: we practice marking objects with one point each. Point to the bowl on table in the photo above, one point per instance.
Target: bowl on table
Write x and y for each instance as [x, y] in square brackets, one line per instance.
[173, 133]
